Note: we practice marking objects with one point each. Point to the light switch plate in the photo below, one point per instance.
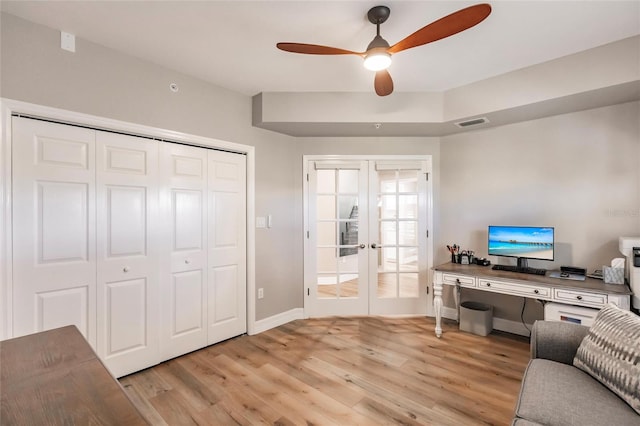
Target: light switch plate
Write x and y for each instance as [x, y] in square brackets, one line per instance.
[261, 222]
[67, 41]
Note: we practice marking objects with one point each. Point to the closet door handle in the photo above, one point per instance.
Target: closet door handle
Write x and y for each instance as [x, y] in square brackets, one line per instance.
[374, 245]
[362, 246]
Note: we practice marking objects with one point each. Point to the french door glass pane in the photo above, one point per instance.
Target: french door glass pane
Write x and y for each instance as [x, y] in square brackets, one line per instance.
[387, 207]
[408, 181]
[326, 208]
[348, 181]
[348, 206]
[409, 285]
[348, 285]
[327, 260]
[408, 206]
[408, 233]
[408, 259]
[388, 233]
[387, 179]
[326, 181]
[398, 214]
[387, 259]
[326, 233]
[327, 286]
[387, 285]
[337, 233]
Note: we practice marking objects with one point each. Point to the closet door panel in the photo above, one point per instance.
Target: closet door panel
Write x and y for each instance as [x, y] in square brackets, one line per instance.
[128, 252]
[54, 259]
[227, 314]
[183, 266]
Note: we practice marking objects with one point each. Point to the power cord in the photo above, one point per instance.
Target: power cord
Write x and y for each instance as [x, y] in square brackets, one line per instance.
[524, 305]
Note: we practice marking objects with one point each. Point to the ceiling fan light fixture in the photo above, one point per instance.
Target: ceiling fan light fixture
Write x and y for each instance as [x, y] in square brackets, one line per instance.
[377, 60]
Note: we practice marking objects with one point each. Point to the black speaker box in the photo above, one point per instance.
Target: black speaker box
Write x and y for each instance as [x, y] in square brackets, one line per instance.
[573, 270]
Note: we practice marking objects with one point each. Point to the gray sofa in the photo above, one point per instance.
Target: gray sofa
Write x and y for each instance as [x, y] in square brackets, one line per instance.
[554, 392]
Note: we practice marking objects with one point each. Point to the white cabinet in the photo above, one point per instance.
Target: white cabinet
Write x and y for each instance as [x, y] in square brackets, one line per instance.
[141, 244]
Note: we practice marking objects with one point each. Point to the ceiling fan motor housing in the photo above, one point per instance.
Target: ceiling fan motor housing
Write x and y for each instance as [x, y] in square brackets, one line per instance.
[378, 14]
[377, 41]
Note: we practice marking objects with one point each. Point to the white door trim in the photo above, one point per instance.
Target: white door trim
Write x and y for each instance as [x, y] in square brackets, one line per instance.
[307, 163]
[8, 107]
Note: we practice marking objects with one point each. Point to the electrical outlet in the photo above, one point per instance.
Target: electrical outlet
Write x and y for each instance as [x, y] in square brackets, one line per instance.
[260, 293]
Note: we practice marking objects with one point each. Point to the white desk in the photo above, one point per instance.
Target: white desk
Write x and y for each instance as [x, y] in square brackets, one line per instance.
[590, 293]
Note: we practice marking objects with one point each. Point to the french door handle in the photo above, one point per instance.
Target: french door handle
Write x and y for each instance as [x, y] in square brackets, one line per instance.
[374, 245]
[362, 246]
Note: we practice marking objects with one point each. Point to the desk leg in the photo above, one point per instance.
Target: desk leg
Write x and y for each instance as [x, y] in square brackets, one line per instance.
[456, 300]
[437, 306]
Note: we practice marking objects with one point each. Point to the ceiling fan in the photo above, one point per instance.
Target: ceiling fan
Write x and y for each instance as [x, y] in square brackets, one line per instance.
[377, 57]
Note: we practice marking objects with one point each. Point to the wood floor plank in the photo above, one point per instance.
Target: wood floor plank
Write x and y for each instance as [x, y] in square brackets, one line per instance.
[237, 398]
[339, 371]
[275, 394]
[318, 380]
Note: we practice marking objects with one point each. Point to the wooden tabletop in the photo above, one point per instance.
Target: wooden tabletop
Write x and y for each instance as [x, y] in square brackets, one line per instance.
[589, 284]
[55, 378]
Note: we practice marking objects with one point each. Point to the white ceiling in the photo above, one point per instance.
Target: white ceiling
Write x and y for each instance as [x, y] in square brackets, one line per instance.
[232, 43]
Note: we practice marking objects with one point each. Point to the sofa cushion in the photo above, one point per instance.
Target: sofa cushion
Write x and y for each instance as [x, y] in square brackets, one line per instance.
[610, 352]
[553, 393]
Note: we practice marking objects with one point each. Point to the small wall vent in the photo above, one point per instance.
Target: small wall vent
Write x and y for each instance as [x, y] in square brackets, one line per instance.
[472, 122]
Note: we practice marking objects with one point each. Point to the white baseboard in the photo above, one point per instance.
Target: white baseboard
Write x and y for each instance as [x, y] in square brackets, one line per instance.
[277, 320]
[513, 327]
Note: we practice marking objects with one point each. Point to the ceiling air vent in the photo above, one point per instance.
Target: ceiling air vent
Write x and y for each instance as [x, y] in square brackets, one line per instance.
[472, 122]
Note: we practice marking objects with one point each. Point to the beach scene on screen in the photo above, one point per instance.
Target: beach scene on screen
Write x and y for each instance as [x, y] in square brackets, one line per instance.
[536, 243]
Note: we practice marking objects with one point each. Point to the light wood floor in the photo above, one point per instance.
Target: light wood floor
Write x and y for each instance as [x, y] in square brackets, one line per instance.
[339, 371]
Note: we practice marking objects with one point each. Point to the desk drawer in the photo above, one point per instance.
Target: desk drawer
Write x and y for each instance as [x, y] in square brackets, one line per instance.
[463, 280]
[580, 297]
[517, 289]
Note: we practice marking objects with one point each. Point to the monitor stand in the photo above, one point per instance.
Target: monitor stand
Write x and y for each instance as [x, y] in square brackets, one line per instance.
[522, 264]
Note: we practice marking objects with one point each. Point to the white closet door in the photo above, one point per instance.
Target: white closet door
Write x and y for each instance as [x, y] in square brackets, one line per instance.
[128, 247]
[227, 310]
[54, 278]
[183, 261]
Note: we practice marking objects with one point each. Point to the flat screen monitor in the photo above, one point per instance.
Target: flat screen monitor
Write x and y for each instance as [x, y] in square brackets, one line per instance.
[523, 242]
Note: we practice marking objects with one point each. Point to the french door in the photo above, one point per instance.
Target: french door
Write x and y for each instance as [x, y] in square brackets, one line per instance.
[366, 247]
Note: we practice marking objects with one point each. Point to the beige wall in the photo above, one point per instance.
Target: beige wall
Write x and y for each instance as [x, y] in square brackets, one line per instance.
[578, 172]
[99, 81]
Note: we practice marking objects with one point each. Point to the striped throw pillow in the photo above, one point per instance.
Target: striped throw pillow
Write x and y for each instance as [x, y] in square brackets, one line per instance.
[610, 352]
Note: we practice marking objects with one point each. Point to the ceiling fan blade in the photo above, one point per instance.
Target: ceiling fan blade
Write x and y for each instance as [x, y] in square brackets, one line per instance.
[383, 83]
[444, 27]
[314, 49]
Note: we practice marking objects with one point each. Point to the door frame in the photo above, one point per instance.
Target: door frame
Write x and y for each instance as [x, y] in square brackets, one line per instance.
[9, 107]
[307, 163]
